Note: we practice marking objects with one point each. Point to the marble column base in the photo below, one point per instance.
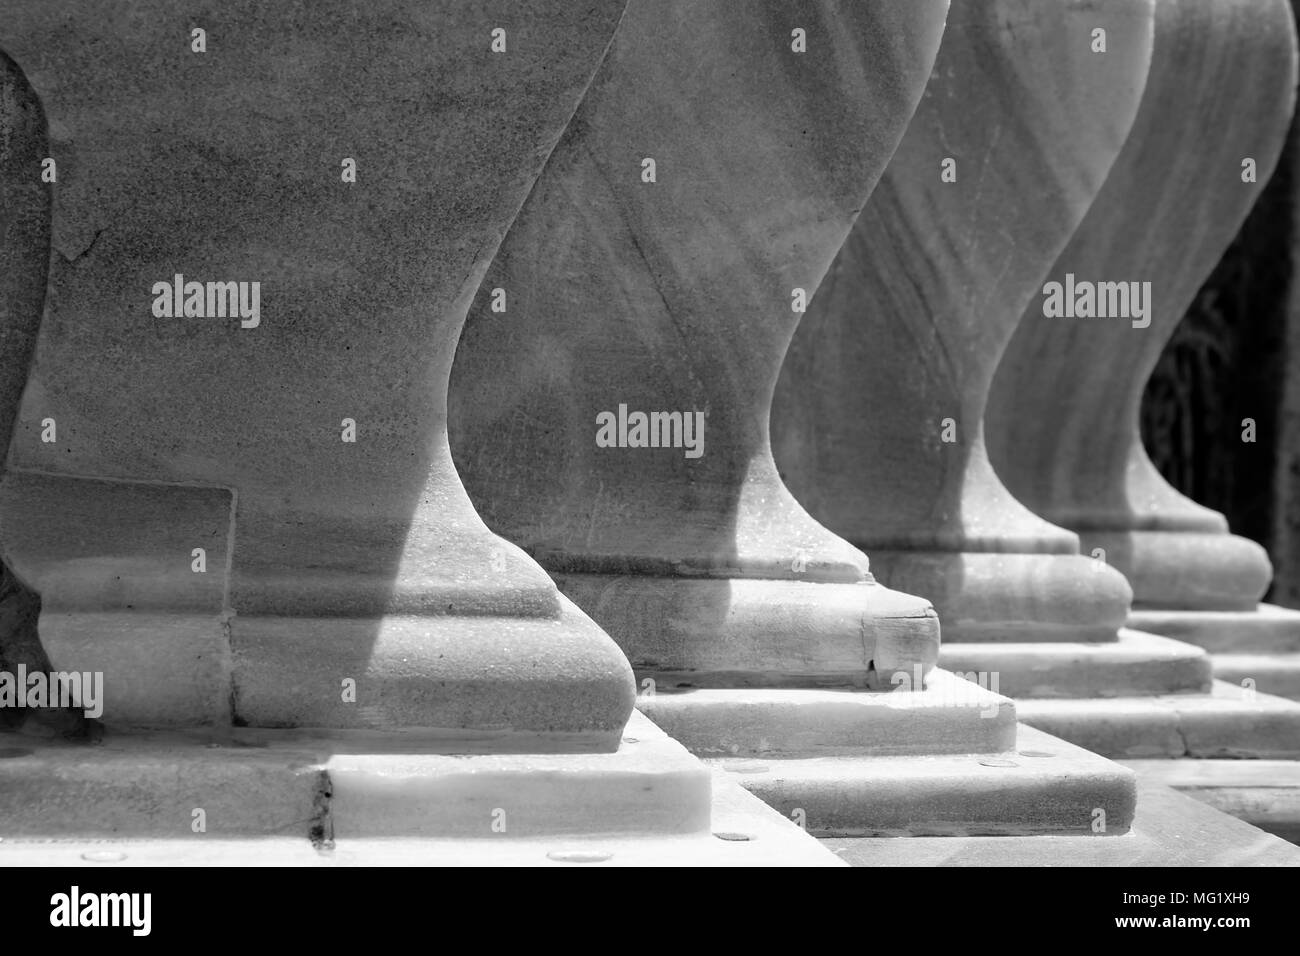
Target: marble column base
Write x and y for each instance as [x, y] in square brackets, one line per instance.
[122, 595]
[1261, 645]
[949, 759]
[759, 632]
[1010, 596]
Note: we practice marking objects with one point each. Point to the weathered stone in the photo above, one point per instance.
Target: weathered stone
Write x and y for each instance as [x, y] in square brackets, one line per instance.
[878, 418]
[1264, 793]
[279, 798]
[1169, 208]
[1170, 830]
[1042, 786]
[347, 560]
[676, 295]
[934, 720]
[1134, 665]
[1227, 722]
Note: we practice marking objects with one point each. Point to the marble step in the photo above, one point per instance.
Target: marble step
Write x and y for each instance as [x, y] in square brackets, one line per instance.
[1267, 629]
[271, 783]
[745, 832]
[1170, 829]
[949, 716]
[1136, 664]
[1276, 674]
[1264, 793]
[1261, 645]
[948, 760]
[1042, 785]
[1229, 721]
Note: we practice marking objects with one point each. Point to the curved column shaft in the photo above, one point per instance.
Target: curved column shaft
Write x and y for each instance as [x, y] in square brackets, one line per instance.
[878, 420]
[626, 295]
[1063, 421]
[319, 409]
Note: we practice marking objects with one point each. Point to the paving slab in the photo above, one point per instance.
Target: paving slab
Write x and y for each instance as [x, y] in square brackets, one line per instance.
[1170, 830]
[264, 783]
[1264, 793]
[744, 832]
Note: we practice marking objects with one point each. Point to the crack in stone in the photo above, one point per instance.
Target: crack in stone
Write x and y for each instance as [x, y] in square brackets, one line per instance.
[321, 832]
[73, 260]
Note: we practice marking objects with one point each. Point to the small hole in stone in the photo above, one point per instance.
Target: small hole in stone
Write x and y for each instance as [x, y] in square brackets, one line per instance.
[998, 762]
[579, 856]
[1036, 753]
[103, 856]
[631, 740]
[735, 837]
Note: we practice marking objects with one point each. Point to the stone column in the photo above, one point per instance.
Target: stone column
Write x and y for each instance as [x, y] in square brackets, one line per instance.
[924, 301]
[1063, 420]
[230, 480]
[237, 500]
[878, 420]
[660, 268]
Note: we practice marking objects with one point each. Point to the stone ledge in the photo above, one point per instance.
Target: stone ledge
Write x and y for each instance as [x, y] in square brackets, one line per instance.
[744, 832]
[1170, 829]
[1264, 793]
[1227, 722]
[1043, 785]
[950, 716]
[1267, 629]
[1276, 674]
[1137, 663]
[266, 784]
[753, 632]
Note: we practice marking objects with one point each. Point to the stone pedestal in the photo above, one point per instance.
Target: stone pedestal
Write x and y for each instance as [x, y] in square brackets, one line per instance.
[303, 447]
[701, 191]
[878, 419]
[230, 480]
[757, 633]
[1063, 418]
